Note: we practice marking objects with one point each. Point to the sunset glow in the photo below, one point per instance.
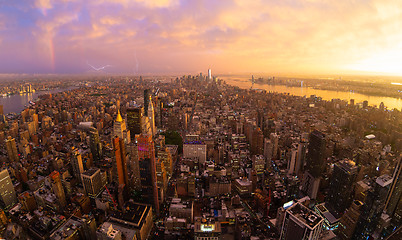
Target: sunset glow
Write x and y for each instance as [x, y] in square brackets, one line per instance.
[173, 36]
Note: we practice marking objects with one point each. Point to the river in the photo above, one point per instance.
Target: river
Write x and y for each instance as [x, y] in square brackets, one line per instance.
[16, 103]
[389, 102]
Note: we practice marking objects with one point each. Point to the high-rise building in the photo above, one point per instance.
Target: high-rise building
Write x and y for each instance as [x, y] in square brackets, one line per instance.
[315, 164]
[134, 120]
[120, 130]
[365, 104]
[95, 144]
[340, 190]
[161, 178]
[147, 162]
[11, 147]
[257, 142]
[300, 222]
[347, 224]
[57, 188]
[316, 154]
[121, 160]
[166, 157]
[274, 140]
[209, 75]
[395, 193]
[146, 101]
[373, 208]
[92, 181]
[76, 163]
[151, 116]
[7, 193]
[310, 185]
[133, 167]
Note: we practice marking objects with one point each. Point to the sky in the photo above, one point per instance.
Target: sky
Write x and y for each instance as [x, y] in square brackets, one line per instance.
[190, 36]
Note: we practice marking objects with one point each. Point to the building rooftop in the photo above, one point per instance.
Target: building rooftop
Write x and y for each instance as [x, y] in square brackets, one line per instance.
[90, 172]
[243, 182]
[134, 214]
[384, 180]
[126, 232]
[66, 230]
[305, 215]
[347, 166]
[207, 225]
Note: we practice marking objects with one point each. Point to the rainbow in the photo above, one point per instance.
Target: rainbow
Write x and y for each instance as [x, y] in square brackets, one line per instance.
[51, 52]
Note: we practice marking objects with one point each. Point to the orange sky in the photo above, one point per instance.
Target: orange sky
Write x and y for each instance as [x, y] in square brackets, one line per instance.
[171, 36]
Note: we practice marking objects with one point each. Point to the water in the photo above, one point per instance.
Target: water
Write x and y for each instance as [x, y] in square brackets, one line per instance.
[16, 103]
[389, 102]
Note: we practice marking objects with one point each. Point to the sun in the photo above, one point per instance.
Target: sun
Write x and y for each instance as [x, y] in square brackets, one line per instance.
[387, 63]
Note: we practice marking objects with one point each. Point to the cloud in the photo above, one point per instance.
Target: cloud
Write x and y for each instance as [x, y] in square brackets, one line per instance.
[237, 35]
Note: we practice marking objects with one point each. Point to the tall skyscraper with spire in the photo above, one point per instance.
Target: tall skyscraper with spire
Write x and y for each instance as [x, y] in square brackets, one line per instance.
[119, 128]
[149, 114]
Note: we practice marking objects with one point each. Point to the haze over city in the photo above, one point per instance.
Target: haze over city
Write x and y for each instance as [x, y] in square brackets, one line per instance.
[172, 36]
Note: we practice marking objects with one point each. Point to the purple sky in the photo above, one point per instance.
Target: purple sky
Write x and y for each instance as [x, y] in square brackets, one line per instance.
[177, 36]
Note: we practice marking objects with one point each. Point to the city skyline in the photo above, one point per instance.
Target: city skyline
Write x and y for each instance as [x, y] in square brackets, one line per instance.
[171, 36]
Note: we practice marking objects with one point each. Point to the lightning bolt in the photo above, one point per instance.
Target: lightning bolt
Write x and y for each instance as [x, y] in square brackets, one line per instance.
[98, 69]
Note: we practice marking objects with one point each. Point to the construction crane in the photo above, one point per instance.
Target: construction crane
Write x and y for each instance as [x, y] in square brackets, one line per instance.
[110, 195]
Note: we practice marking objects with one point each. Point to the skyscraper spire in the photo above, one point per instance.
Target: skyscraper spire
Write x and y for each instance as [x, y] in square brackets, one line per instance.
[119, 118]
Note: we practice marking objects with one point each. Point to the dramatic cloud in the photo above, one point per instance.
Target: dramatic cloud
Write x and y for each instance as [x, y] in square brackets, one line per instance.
[166, 36]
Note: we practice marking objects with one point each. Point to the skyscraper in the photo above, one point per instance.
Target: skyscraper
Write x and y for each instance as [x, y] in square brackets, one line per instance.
[348, 222]
[257, 142]
[274, 140]
[316, 154]
[209, 75]
[340, 190]
[76, 163]
[315, 164]
[147, 162]
[7, 194]
[58, 188]
[120, 130]
[134, 120]
[12, 149]
[151, 116]
[120, 157]
[95, 144]
[146, 101]
[395, 193]
[300, 222]
[373, 207]
[92, 181]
